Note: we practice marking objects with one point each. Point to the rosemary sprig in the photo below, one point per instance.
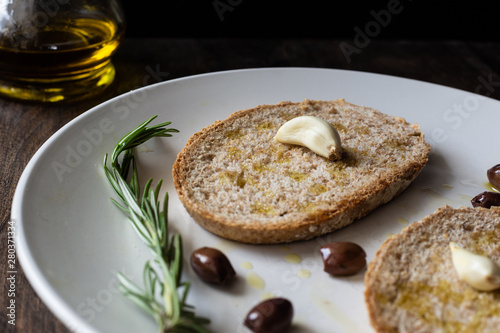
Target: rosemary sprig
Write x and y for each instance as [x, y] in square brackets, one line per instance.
[163, 294]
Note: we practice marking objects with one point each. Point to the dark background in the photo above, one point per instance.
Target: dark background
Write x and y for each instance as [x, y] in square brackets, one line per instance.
[464, 20]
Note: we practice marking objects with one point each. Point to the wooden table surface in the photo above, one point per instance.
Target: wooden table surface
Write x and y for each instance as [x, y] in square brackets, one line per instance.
[471, 66]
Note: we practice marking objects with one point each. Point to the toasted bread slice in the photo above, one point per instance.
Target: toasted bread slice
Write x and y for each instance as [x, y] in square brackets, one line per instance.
[412, 285]
[236, 181]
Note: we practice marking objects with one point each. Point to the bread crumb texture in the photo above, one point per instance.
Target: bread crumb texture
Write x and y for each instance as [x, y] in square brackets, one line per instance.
[412, 286]
[233, 176]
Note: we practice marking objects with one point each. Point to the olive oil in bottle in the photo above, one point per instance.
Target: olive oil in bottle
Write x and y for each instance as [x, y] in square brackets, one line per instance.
[66, 59]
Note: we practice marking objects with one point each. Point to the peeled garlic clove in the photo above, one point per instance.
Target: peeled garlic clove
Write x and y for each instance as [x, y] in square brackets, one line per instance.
[478, 271]
[313, 133]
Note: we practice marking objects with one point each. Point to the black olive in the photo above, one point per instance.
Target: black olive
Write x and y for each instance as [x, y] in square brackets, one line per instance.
[212, 266]
[486, 199]
[343, 258]
[493, 174]
[270, 316]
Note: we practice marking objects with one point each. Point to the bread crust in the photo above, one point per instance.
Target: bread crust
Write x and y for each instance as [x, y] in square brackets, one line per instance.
[238, 158]
[412, 286]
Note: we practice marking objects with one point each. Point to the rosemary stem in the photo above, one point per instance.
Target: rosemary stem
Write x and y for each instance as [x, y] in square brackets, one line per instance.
[172, 314]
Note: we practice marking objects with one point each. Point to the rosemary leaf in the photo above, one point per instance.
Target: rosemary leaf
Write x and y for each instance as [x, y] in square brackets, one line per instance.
[163, 294]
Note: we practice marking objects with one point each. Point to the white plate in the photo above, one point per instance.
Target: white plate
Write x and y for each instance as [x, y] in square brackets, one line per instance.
[71, 240]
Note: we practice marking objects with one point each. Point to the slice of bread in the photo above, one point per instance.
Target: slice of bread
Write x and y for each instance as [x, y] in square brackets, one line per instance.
[412, 286]
[236, 181]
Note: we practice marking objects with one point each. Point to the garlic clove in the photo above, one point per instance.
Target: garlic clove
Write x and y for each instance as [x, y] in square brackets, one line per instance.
[478, 271]
[313, 133]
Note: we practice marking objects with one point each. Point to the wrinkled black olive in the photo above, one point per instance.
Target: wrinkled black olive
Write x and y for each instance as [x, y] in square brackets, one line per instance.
[270, 316]
[343, 258]
[212, 266]
[486, 199]
[493, 174]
